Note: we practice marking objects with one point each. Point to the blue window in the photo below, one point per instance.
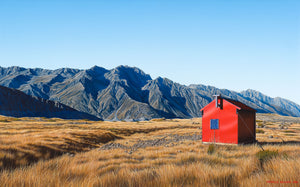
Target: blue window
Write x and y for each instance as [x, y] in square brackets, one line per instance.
[214, 124]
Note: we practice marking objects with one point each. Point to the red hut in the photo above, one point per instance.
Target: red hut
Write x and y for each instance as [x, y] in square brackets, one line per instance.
[228, 121]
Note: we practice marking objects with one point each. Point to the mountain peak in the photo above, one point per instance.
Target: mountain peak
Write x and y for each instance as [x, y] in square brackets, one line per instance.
[162, 80]
[97, 70]
[66, 71]
[125, 68]
[132, 73]
[14, 69]
[251, 91]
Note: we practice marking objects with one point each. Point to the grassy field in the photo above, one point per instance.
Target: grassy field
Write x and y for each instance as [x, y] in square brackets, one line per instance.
[55, 152]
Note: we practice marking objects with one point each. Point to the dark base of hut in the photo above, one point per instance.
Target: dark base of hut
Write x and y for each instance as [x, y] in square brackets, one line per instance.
[240, 143]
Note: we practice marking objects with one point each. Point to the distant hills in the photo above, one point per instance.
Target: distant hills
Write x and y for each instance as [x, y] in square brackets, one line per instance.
[127, 93]
[18, 104]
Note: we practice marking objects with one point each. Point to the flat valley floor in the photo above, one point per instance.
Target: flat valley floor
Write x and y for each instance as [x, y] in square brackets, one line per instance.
[160, 152]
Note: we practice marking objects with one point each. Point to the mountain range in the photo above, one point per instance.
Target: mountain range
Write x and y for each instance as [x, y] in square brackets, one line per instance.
[127, 93]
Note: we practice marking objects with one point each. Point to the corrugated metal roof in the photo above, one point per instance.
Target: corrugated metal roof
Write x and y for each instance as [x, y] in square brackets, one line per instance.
[239, 104]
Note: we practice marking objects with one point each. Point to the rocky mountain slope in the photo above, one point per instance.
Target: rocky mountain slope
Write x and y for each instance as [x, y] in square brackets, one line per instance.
[254, 99]
[126, 93]
[18, 104]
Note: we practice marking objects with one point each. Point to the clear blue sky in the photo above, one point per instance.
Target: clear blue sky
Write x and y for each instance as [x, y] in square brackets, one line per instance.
[233, 44]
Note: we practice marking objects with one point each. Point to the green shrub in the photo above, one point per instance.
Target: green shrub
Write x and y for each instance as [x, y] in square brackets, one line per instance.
[266, 155]
[260, 124]
[211, 149]
[289, 134]
[260, 131]
[287, 131]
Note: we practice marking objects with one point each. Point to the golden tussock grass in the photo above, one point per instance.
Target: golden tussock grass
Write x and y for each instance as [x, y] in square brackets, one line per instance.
[153, 153]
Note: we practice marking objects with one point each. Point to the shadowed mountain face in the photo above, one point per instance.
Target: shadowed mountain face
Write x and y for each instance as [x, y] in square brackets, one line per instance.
[126, 93]
[18, 104]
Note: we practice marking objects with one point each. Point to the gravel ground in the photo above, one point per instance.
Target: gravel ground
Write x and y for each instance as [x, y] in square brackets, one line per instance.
[277, 118]
[167, 141]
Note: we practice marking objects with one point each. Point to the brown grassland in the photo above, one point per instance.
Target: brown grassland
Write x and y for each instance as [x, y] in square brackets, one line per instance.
[161, 152]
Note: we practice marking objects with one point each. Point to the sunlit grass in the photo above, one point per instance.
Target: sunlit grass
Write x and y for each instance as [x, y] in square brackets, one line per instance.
[43, 152]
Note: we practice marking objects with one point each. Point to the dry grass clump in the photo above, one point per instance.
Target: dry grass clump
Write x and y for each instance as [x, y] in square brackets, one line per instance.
[260, 131]
[158, 119]
[180, 162]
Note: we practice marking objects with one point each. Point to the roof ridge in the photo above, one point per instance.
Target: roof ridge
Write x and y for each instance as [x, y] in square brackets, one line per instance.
[239, 104]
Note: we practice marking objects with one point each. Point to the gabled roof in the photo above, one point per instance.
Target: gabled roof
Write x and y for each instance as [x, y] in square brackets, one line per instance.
[238, 104]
